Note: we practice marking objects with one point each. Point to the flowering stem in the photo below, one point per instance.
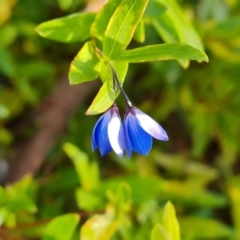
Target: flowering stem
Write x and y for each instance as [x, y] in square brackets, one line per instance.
[115, 80]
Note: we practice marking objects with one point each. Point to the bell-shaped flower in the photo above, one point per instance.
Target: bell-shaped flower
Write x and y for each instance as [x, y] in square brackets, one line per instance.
[108, 133]
[139, 129]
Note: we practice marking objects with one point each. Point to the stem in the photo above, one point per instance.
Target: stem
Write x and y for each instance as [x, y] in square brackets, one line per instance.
[115, 80]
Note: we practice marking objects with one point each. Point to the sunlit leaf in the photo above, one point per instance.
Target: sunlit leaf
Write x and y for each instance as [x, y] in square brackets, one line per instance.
[102, 18]
[139, 34]
[170, 222]
[159, 233]
[106, 95]
[163, 52]
[98, 227]
[73, 28]
[85, 66]
[61, 228]
[122, 25]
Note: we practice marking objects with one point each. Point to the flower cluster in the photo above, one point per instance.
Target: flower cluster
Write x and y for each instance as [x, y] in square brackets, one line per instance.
[134, 134]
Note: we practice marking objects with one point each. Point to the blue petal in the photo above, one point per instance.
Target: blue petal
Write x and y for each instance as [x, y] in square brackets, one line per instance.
[127, 140]
[149, 125]
[100, 135]
[141, 142]
[96, 129]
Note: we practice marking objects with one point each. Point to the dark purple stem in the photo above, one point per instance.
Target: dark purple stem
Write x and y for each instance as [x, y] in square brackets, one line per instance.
[115, 80]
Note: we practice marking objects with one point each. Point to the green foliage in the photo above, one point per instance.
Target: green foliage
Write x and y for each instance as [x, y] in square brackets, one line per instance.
[61, 228]
[85, 66]
[163, 52]
[15, 199]
[121, 27]
[67, 29]
[65, 4]
[120, 199]
[169, 230]
[114, 27]
[106, 95]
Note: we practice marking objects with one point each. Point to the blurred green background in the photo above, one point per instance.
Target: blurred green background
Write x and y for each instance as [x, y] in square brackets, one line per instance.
[47, 168]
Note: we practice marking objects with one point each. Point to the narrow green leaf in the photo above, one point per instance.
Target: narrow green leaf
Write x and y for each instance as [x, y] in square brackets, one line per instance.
[106, 95]
[163, 52]
[122, 25]
[159, 233]
[81, 164]
[102, 19]
[139, 34]
[72, 28]
[173, 27]
[184, 29]
[85, 66]
[6, 63]
[61, 228]
[170, 222]
[165, 28]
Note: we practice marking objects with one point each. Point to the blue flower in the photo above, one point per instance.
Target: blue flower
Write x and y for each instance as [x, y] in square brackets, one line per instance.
[108, 133]
[139, 129]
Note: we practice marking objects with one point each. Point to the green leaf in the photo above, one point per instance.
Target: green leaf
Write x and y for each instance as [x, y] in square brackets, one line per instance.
[154, 9]
[65, 4]
[82, 166]
[106, 227]
[225, 30]
[170, 222]
[6, 63]
[120, 198]
[8, 35]
[102, 19]
[4, 112]
[173, 27]
[19, 197]
[87, 201]
[158, 233]
[233, 190]
[85, 66]
[61, 228]
[106, 95]
[122, 25]
[72, 28]
[203, 228]
[192, 195]
[184, 29]
[163, 52]
[139, 34]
